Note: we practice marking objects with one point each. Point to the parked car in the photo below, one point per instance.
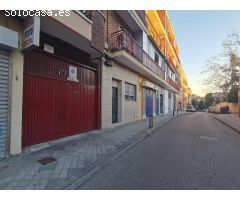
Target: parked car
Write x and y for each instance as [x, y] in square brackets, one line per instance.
[211, 110]
[190, 109]
[217, 110]
[224, 110]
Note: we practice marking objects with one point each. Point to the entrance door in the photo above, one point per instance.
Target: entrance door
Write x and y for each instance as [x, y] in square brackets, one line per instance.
[4, 94]
[157, 105]
[114, 105]
[149, 103]
[161, 103]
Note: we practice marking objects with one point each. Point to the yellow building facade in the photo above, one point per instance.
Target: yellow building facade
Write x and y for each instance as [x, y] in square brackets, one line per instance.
[161, 30]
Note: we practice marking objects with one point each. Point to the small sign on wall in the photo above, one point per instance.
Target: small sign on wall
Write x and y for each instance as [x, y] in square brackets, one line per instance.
[72, 74]
[48, 48]
[31, 33]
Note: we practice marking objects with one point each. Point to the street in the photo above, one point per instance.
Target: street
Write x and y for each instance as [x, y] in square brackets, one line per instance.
[193, 151]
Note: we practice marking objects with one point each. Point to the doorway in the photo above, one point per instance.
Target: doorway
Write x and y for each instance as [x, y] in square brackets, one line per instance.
[114, 104]
[161, 103]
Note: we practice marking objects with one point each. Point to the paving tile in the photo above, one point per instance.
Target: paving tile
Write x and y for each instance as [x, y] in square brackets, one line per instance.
[72, 156]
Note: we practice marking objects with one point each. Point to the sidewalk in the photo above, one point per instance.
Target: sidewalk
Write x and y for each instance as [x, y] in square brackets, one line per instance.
[230, 120]
[68, 162]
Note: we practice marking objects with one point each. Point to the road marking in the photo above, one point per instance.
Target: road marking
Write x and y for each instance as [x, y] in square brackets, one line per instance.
[208, 138]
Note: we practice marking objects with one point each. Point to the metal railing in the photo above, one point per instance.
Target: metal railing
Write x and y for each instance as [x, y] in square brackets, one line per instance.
[87, 13]
[173, 83]
[121, 40]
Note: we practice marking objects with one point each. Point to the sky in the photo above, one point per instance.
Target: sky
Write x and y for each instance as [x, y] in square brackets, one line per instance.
[199, 35]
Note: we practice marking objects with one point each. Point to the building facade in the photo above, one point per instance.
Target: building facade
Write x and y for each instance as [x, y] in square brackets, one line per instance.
[50, 77]
[62, 75]
[140, 77]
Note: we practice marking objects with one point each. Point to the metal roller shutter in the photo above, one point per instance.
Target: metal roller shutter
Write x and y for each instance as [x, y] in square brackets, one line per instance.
[4, 95]
[54, 107]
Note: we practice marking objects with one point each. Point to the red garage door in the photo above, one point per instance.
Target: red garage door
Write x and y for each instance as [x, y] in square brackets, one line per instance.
[54, 107]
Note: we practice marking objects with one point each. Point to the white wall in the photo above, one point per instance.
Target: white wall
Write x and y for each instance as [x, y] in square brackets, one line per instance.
[165, 101]
[129, 109]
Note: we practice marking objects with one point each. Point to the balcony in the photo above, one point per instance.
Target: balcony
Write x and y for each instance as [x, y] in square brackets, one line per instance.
[122, 40]
[87, 13]
[173, 83]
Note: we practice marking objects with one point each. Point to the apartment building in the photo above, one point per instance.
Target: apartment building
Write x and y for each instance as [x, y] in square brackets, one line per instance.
[138, 76]
[49, 77]
[77, 71]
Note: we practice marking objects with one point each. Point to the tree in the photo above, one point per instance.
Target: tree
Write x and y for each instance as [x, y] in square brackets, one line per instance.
[222, 71]
[233, 95]
[201, 105]
[209, 100]
[194, 103]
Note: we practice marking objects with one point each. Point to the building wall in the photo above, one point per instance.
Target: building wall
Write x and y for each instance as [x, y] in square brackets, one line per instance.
[76, 22]
[165, 101]
[233, 107]
[129, 110]
[16, 85]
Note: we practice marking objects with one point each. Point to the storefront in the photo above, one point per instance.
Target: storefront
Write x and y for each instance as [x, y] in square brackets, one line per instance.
[152, 99]
[4, 101]
[8, 42]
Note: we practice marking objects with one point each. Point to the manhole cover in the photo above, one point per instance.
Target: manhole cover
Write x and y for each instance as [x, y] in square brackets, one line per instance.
[46, 160]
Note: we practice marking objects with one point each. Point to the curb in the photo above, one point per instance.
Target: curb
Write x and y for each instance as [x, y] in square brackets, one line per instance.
[226, 124]
[106, 162]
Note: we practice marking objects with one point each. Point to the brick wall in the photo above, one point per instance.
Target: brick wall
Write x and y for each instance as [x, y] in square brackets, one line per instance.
[113, 24]
[98, 31]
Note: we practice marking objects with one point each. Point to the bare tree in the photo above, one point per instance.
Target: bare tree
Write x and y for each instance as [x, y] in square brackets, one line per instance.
[222, 71]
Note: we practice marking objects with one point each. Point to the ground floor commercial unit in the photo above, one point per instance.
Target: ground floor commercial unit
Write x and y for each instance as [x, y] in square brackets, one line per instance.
[48, 91]
[11, 76]
[60, 92]
[127, 96]
[53, 105]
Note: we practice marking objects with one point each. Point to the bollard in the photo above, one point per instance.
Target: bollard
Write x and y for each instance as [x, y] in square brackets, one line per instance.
[177, 111]
[150, 121]
[173, 112]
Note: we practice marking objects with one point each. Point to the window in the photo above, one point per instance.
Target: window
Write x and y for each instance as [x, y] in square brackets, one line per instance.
[156, 57]
[130, 92]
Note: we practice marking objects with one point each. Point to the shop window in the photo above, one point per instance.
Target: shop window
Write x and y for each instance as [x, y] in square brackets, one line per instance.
[130, 92]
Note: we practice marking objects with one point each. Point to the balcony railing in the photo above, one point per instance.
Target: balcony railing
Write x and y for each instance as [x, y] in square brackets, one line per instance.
[122, 40]
[87, 13]
[173, 83]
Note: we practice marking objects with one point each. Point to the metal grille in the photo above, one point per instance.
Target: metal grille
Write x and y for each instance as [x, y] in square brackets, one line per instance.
[4, 95]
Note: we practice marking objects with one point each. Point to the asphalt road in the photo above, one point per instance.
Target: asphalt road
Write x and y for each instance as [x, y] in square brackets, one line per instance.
[194, 151]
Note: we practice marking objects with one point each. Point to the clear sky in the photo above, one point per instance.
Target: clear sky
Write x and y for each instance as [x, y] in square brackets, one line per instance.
[200, 35]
